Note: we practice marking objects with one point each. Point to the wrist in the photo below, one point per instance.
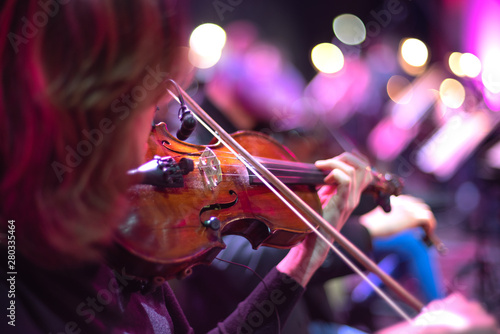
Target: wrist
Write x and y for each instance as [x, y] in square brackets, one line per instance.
[303, 260]
[294, 265]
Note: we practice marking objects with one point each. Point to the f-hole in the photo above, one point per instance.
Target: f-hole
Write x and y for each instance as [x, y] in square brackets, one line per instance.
[219, 206]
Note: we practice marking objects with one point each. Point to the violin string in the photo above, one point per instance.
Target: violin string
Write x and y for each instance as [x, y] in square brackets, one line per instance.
[382, 294]
[434, 240]
[276, 165]
[229, 156]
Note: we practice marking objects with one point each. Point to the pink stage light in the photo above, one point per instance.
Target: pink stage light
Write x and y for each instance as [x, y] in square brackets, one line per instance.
[395, 131]
[337, 96]
[453, 143]
[482, 25]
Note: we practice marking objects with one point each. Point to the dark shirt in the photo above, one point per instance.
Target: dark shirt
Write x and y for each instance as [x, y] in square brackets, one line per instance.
[224, 285]
[97, 299]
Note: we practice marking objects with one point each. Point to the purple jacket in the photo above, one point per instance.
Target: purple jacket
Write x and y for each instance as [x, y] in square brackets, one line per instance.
[97, 299]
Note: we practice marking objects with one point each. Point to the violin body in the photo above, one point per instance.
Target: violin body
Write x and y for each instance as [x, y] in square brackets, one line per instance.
[169, 230]
[184, 207]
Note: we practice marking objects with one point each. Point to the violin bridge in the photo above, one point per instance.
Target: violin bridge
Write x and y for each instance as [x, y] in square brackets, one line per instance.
[209, 167]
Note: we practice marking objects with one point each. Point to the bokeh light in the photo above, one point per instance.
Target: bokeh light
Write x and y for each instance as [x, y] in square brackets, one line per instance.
[327, 58]
[470, 65]
[349, 29]
[414, 52]
[452, 93]
[491, 73]
[454, 63]
[206, 43]
[399, 89]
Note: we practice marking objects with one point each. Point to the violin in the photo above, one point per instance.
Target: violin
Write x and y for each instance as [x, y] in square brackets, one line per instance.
[178, 219]
[194, 195]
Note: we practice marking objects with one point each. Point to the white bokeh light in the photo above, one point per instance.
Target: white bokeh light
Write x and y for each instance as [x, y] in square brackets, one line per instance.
[349, 29]
[206, 43]
[491, 72]
[470, 65]
[414, 52]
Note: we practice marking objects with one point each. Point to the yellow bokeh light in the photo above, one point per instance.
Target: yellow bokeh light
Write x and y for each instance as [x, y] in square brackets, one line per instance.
[349, 29]
[454, 63]
[414, 52]
[327, 58]
[399, 89]
[206, 43]
[452, 93]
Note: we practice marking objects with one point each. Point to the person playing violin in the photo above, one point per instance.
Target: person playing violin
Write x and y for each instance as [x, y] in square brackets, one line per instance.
[80, 80]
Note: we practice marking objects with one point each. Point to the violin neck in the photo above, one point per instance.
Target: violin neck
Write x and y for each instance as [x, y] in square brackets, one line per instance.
[299, 173]
[291, 172]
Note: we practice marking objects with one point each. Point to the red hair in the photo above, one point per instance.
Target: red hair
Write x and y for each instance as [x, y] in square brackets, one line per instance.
[74, 75]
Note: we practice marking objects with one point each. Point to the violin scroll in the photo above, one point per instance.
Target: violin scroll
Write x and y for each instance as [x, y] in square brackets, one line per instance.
[384, 186]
